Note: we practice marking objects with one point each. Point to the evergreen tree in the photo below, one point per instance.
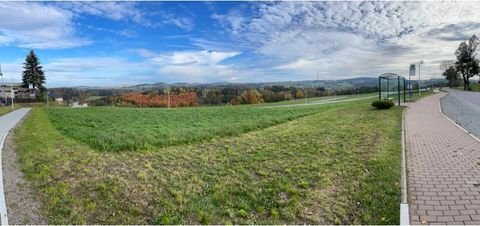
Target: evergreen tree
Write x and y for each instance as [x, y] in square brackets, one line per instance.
[33, 73]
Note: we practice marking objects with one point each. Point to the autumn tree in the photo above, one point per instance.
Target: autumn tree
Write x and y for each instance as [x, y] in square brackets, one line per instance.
[33, 72]
[451, 75]
[466, 64]
[299, 94]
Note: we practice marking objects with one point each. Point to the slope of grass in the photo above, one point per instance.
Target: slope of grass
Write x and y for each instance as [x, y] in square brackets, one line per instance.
[340, 164]
[147, 128]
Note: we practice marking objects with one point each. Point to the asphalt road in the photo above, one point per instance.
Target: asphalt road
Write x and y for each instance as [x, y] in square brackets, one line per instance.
[464, 108]
[7, 122]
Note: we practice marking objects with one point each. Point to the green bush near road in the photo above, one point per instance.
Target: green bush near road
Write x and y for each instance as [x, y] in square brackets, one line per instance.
[383, 104]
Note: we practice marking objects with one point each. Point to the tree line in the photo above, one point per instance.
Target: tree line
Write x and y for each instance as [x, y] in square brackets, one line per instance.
[466, 65]
[195, 96]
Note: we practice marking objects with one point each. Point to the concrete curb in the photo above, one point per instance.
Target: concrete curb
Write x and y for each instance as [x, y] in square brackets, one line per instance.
[457, 125]
[404, 210]
[3, 203]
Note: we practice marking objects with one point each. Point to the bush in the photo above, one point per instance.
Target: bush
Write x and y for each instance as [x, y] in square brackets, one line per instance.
[383, 104]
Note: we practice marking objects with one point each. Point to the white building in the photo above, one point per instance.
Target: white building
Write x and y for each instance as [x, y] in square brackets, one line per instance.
[19, 91]
[6, 89]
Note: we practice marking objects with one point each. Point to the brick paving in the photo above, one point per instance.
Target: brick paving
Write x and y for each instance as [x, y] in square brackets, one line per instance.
[443, 167]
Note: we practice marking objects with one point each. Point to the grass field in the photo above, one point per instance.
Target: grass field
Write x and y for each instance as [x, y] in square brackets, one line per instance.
[336, 163]
[115, 129]
[5, 110]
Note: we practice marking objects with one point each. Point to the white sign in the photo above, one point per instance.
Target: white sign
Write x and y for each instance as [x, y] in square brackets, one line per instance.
[412, 69]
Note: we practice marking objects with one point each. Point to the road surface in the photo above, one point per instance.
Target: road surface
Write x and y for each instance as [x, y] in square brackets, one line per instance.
[464, 108]
[7, 122]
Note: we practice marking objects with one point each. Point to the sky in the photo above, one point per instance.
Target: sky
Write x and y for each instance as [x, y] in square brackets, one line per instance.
[124, 43]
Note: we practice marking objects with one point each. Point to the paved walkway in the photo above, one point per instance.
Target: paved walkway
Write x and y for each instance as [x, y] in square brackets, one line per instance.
[7, 122]
[443, 164]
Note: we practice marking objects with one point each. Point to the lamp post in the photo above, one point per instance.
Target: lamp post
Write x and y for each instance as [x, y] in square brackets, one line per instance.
[12, 94]
[419, 80]
[168, 98]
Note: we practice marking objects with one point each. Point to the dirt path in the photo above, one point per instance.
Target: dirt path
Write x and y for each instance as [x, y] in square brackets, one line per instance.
[22, 206]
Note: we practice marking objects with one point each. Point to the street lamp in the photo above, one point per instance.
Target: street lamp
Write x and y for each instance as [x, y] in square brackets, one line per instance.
[12, 93]
[419, 80]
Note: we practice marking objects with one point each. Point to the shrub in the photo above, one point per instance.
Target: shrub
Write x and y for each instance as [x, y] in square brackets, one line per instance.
[383, 104]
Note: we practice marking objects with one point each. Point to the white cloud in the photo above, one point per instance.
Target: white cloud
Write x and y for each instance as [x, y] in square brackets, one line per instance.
[33, 25]
[348, 39]
[196, 66]
[52, 25]
[234, 20]
[190, 66]
[118, 11]
[181, 22]
[107, 71]
[142, 52]
[203, 57]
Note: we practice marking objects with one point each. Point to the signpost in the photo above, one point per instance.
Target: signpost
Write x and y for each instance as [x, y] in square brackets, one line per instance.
[412, 73]
[419, 80]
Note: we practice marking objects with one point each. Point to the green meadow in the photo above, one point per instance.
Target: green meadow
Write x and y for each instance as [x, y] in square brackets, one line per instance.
[336, 163]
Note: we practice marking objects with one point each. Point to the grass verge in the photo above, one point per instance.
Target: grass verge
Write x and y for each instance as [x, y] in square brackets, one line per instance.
[5, 110]
[339, 165]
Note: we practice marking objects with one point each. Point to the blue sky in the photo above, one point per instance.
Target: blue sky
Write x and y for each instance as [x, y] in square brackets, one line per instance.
[121, 43]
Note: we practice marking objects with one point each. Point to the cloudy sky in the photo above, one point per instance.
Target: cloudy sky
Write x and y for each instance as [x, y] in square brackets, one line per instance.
[118, 43]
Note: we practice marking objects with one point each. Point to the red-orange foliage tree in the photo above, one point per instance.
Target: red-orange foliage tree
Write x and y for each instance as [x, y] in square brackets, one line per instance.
[154, 100]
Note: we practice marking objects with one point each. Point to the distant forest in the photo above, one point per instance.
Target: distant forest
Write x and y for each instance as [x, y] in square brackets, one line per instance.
[181, 95]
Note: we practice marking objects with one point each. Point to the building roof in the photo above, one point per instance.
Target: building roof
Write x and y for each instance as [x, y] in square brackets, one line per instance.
[390, 76]
[14, 84]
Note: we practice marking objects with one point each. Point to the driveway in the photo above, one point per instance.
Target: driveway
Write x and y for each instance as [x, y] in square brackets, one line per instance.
[463, 107]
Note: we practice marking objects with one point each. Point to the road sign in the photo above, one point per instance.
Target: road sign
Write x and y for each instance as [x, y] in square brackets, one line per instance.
[412, 70]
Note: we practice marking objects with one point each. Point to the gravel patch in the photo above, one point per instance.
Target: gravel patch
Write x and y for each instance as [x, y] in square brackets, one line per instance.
[23, 207]
[463, 108]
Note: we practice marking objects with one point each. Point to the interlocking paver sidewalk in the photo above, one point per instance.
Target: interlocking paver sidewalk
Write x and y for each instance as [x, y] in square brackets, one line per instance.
[443, 164]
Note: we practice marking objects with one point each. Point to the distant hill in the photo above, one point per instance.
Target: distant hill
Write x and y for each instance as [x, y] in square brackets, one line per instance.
[327, 84]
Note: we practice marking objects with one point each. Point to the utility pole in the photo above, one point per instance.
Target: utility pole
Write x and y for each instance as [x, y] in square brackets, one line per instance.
[168, 96]
[306, 96]
[12, 94]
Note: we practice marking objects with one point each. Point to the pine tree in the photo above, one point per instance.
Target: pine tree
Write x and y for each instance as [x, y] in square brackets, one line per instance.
[33, 73]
